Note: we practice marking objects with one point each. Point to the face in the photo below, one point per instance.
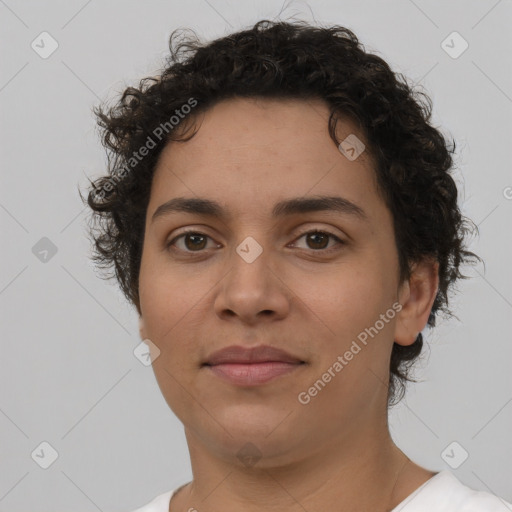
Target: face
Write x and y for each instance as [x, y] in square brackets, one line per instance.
[251, 278]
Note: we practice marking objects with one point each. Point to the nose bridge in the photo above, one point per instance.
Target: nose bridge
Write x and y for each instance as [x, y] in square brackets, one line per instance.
[250, 263]
[251, 285]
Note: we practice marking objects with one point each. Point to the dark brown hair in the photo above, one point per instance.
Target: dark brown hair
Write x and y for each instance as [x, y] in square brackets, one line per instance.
[286, 60]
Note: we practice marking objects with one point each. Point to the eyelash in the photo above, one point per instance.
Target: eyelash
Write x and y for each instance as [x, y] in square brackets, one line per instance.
[169, 244]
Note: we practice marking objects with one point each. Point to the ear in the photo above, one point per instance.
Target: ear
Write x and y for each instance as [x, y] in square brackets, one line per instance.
[142, 329]
[417, 295]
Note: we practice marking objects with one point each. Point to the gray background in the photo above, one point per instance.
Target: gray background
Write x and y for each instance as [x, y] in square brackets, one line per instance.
[68, 373]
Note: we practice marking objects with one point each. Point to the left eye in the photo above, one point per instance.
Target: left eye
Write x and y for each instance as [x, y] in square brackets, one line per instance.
[320, 239]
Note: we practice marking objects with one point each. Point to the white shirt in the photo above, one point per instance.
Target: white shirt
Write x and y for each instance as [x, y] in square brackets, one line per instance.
[441, 493]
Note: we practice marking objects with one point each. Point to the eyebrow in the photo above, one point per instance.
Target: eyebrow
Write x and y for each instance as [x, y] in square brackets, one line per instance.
[209, 208]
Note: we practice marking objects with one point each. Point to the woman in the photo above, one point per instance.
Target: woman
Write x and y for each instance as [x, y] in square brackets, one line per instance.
[283, 218]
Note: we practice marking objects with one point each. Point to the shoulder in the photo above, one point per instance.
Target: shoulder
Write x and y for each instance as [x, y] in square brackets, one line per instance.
[445, 493]
[481, 501]
[158, 504]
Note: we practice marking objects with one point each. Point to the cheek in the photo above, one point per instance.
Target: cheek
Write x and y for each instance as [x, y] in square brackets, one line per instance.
[164, 300]
[347, 298]
[176, 307]
[167, 305]
[347, 306]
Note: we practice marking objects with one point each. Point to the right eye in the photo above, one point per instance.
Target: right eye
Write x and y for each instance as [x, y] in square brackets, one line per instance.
[193, 241]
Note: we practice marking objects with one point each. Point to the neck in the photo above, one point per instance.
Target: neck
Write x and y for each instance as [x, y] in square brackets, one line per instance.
[363, 472]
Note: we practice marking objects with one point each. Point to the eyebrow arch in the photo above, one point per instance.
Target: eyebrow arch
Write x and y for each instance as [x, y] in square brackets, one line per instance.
[209, 208]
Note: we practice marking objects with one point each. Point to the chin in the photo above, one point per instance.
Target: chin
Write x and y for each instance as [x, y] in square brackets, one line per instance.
[251, 431]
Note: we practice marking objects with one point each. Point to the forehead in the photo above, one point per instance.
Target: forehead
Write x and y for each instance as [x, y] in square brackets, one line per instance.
[237, 124]
[251, 151]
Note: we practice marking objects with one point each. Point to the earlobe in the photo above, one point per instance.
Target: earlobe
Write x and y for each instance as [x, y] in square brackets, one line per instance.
[141, 328]
[417, 296]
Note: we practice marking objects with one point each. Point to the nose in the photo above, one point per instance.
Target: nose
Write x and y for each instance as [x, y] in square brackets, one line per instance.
[252, 291]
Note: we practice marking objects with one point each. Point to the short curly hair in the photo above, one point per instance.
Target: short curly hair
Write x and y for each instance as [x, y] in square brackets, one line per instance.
[282, 60]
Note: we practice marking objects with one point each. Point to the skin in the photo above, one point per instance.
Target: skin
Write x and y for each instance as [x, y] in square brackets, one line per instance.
[247, 155]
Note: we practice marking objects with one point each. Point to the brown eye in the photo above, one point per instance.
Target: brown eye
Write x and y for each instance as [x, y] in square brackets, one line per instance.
[197, 241]
[318, 240]
[193, 241]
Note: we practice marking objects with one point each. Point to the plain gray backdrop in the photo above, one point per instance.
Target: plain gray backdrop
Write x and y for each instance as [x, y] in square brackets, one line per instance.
[69, 376]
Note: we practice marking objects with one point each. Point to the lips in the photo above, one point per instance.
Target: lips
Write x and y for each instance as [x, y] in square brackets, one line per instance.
[241, 355]
[249, 367]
